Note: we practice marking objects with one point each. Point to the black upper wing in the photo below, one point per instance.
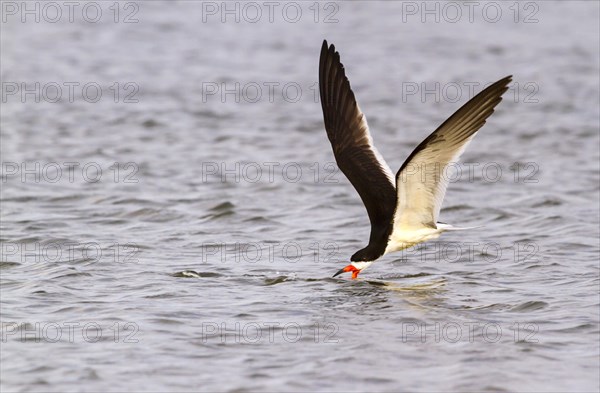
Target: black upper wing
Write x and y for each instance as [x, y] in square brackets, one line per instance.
[352, 144]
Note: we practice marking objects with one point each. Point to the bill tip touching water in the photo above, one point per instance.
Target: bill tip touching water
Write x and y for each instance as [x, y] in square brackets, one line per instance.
[403, 209]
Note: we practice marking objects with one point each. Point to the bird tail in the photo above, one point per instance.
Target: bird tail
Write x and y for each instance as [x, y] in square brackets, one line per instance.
[447, 227]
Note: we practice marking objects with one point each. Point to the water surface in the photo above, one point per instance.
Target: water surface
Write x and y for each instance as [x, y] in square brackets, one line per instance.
[201, 260]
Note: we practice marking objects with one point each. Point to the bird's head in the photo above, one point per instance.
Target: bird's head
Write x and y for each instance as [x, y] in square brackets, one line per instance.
[354, 267]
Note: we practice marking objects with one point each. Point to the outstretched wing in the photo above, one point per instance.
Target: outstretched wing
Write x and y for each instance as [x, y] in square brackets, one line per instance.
[352, 144]
[420, 182]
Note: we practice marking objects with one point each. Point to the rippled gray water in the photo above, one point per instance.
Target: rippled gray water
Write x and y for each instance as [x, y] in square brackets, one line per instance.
[202, 259]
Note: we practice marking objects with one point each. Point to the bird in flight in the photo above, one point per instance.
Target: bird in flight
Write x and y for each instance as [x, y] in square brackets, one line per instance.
[403, 209]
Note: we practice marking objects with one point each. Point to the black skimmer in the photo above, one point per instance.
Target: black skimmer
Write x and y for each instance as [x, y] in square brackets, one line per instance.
[403, 209]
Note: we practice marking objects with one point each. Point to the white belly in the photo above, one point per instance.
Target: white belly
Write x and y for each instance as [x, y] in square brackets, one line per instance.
[399, 240]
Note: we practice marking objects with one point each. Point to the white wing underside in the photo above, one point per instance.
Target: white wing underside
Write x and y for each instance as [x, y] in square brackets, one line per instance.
[382, 163]
[422, 185]
[422, 181]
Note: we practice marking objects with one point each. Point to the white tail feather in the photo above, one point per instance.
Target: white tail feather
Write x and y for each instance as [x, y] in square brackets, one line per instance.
[448, 227]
